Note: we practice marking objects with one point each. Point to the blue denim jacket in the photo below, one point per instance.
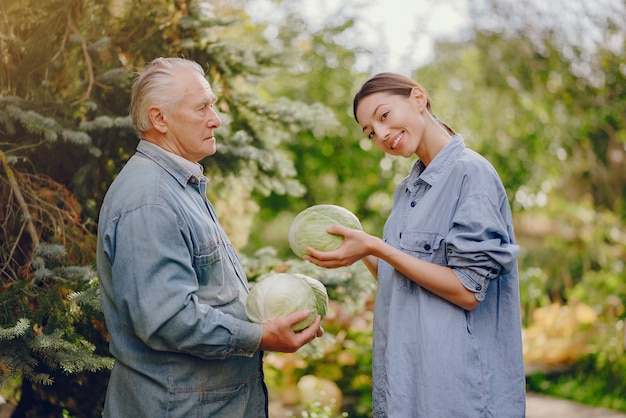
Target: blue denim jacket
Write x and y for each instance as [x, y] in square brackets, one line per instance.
[174, 294]
[432, 358]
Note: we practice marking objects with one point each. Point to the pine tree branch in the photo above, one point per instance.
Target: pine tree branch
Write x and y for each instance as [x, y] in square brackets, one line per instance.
[83, 45]
[30, 226]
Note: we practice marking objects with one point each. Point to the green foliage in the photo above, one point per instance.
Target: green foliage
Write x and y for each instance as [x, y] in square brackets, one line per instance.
[331, 164]
[44, 336]
[593, 380]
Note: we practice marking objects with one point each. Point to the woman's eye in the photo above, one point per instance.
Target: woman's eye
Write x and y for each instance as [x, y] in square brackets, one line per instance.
[370, 135]
[384, 116]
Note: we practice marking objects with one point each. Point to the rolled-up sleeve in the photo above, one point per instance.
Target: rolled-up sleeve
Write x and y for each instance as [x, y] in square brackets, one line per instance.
[480, 246]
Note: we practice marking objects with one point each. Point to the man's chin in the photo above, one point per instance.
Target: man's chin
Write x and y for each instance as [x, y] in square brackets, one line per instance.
[211, 151]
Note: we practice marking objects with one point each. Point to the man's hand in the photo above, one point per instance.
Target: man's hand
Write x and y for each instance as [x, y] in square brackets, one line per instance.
[279, 336]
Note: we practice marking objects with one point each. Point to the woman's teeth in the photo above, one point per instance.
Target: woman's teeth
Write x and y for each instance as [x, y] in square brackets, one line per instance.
[397, 141]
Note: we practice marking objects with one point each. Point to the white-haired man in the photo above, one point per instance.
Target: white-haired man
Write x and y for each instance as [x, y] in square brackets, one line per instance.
[173, 288]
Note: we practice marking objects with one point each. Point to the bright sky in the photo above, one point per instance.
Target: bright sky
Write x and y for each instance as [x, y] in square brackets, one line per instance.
[407, 29]
[401, 32]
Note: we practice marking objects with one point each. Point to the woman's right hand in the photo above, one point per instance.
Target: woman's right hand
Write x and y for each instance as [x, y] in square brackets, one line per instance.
[356, 246]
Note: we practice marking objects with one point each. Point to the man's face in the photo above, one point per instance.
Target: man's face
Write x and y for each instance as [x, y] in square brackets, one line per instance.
[192, 119]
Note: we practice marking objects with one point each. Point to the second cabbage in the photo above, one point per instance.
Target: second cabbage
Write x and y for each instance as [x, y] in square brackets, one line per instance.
[281, 294]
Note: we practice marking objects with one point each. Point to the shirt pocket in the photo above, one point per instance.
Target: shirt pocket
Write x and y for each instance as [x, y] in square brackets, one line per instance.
[427, 246]
[218, 283]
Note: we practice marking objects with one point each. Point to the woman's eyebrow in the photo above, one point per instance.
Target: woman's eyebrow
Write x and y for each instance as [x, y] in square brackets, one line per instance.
[374, 113]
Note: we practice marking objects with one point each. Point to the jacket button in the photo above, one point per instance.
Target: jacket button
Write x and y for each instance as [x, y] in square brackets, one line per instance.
[427, 247]
[413, 203]
[479, 287]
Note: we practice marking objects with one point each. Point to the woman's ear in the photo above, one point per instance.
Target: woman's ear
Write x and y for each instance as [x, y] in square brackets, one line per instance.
[158, 119]
[419, 94]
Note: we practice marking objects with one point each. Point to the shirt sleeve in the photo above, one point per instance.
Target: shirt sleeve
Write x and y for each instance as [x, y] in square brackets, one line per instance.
[156, 286]
[480, 244]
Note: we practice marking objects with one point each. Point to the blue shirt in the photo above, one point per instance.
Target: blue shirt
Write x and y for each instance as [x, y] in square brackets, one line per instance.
[174, 294]
[432, 358]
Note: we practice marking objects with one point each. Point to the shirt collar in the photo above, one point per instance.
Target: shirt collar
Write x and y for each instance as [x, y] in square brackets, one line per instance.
[429, 174]
[181, 169]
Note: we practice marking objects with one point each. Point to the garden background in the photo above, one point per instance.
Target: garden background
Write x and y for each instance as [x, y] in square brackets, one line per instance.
[543, 100]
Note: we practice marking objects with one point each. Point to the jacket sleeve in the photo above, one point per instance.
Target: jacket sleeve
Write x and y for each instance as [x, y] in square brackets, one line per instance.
[157, 288]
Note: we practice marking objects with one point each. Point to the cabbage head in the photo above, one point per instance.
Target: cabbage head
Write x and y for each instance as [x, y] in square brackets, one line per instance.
[281, 294]
[308, 228]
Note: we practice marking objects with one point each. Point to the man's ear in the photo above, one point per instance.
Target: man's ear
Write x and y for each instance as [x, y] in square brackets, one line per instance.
[158, 119]
[419, 94]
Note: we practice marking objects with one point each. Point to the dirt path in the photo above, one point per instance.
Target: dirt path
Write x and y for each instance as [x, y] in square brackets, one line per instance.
[539, 406]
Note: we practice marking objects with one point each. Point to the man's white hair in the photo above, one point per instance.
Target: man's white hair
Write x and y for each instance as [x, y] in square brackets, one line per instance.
[154, 86]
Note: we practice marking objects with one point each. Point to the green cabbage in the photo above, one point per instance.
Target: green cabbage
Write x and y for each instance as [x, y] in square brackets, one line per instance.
[281, 294]
[308, 229]
[321, 296]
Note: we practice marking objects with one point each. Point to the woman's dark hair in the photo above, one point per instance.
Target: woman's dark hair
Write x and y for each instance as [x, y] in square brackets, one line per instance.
[392, 83]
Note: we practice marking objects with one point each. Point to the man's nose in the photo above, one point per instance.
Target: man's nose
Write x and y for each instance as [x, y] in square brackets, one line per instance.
[214, 120]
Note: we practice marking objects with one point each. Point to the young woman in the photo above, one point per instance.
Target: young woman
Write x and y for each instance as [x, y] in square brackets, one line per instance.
[447, 329]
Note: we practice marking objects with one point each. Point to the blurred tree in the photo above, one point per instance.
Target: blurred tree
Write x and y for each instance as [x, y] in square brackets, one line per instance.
[335, 166]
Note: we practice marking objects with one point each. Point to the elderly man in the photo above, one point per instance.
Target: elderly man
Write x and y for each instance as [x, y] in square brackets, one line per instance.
[173, 289]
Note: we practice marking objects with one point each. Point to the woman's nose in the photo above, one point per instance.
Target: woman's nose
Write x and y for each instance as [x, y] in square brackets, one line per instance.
[382, 133]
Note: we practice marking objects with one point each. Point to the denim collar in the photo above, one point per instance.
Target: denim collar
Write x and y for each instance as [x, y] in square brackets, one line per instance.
[169, 162]
[439, 165]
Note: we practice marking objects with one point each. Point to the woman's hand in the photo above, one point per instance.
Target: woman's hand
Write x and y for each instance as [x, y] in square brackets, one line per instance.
[356, 245]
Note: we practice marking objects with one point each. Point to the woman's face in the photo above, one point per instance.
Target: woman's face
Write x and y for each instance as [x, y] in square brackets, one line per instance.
[394, 123]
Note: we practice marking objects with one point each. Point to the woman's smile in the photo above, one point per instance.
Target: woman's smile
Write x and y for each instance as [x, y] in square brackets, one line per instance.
[397, 140]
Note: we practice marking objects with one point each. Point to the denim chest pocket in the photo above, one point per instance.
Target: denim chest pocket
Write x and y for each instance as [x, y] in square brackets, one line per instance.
[218, 283]
[427, 246]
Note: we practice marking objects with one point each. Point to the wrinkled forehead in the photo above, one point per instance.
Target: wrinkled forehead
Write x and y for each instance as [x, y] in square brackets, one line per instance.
[192, 83]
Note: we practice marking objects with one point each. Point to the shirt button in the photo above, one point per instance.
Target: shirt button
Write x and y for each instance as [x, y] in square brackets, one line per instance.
[427, 247]
[413, 203]
[479, 287]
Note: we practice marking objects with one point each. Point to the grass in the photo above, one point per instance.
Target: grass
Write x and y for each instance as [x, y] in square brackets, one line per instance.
[592, 381]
